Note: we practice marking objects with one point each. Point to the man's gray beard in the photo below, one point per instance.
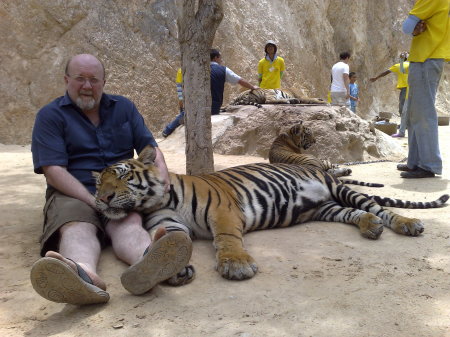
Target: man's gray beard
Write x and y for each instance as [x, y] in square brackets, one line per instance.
[88, 104]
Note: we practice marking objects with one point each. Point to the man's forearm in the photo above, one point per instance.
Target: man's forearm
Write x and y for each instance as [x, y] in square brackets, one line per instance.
[373, 79]
[247, 85]
[59, 178]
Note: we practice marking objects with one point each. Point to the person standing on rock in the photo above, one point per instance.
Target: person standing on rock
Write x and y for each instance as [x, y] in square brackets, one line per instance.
[340, 81]
[401, 69]
[429, 24]
[83, 131]
[270, 68]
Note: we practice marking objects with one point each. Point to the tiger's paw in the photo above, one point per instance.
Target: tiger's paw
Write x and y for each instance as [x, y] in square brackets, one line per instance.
[408, 226]
[185, 276]
[340, 171]
[236, 266]
[370, 226]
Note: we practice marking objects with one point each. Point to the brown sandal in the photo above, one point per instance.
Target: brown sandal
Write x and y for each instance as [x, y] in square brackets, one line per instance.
[58, 282]
[163, 259]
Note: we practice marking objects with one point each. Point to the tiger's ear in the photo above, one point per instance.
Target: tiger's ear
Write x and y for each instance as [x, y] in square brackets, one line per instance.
[147, 155]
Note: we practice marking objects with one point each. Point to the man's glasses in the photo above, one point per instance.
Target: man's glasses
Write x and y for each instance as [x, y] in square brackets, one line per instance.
[83, 80]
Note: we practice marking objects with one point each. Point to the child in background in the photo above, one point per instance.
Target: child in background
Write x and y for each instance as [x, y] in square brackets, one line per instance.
[354, 91]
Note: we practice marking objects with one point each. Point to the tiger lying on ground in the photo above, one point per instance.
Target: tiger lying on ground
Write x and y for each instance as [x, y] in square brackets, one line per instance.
[227, 204]
[272, 96]
[287, 148]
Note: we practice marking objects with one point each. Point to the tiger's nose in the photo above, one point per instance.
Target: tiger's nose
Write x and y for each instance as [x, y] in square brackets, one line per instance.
[106, 198]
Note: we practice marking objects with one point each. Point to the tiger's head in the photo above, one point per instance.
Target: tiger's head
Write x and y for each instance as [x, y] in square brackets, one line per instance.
[128, 185]
[301, 136]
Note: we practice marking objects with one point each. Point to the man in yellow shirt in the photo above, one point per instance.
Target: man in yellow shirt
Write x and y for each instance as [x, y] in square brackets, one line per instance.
[401, 69]
[429, 24]
[180, 117]
[270, 68]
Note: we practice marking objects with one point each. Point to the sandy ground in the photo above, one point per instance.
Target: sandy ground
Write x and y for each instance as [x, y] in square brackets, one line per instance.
[316, 279]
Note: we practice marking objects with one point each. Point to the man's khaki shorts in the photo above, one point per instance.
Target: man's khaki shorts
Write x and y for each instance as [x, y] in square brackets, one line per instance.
[60, 209]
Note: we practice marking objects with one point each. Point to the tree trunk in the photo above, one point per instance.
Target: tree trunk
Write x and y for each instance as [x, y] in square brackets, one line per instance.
[196, 30]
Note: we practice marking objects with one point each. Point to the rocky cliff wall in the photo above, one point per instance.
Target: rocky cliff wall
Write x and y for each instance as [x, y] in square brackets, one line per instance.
[137, 41]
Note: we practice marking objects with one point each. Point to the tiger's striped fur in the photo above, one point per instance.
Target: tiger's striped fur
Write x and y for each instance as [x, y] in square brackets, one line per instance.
[272, 96]
[224, 205]
[287, 148]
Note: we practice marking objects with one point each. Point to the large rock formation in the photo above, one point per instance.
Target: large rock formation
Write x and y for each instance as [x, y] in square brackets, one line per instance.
[137, 40]
[341, 136]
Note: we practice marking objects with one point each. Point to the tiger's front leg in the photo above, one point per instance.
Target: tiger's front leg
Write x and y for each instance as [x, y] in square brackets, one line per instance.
[233, 262]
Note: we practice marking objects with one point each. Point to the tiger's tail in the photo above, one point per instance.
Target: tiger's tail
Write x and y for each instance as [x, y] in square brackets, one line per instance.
[398, 203]
[360, 183]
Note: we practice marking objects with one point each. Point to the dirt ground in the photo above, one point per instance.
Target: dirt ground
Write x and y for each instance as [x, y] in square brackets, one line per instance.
[316, 279]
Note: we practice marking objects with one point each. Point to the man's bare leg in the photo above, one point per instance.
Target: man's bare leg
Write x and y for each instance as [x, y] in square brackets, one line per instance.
[129, 239]
[79, 242]
[166, 256]
[70, 275]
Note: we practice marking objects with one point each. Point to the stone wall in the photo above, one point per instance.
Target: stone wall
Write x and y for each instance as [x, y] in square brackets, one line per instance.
[137, 41]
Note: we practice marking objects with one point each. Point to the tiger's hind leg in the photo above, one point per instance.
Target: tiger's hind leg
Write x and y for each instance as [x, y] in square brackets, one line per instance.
[401, 224]
[335, 169]
[398, 223]
[369, 224]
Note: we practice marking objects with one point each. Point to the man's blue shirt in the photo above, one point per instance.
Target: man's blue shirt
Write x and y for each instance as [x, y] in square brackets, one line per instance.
[64, 136]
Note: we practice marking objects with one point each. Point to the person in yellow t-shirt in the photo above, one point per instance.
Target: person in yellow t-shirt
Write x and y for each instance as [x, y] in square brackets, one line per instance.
[270, 68]
[180, 117]
[401, 69]
[429, 24]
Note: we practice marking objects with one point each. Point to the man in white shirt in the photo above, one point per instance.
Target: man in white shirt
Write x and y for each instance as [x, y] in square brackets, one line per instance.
[340, 90]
